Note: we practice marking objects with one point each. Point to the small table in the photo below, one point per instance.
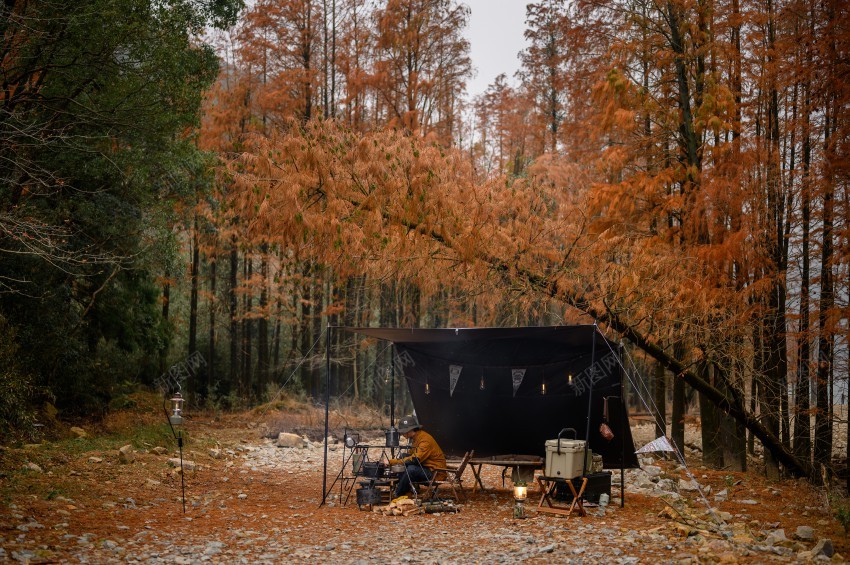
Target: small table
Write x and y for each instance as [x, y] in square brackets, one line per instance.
[547, 487]
[520, 464]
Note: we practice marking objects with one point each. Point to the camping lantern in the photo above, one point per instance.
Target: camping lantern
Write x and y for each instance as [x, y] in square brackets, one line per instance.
[520, 494]
[176, 416]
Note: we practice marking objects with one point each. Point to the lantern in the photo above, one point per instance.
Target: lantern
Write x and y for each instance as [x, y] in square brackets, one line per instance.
[176, 416]
[520, 494]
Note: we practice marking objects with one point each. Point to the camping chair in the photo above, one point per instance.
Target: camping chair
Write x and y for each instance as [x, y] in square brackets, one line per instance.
[453, 478]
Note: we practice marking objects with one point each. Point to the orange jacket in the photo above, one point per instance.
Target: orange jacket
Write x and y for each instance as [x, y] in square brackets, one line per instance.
[426, 449]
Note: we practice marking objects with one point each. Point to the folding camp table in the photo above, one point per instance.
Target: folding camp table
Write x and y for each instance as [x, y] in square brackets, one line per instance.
[522, 466]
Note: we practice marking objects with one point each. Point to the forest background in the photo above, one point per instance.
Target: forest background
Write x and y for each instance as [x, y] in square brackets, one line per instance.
[197, 179]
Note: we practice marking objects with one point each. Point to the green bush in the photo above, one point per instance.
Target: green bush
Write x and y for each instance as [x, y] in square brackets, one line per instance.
[18, 393]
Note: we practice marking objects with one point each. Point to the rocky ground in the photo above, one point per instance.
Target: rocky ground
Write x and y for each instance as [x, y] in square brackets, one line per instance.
[250, 501]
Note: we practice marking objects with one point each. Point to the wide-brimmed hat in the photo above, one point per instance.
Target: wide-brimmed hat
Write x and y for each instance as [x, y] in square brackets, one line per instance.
[408, 424]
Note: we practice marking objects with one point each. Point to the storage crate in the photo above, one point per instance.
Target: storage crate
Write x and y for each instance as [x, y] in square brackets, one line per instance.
[597, 483]
[568, 463]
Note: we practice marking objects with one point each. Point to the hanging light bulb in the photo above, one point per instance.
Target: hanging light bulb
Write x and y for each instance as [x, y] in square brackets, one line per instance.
[570, 378]
[543, 389]
[481, 385]
[427, 388]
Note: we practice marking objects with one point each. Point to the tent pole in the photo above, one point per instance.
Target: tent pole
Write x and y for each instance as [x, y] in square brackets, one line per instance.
[623, 411]
[392, 386]
[327, 411]
[589, 400]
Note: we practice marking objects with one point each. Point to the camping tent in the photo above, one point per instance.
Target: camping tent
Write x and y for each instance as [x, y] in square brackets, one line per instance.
[509, 390]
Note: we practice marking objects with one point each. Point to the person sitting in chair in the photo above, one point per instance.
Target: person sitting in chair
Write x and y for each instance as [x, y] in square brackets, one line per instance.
[425, 456]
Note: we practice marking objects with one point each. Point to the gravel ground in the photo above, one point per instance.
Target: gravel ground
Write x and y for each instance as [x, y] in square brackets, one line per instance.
[249, 501]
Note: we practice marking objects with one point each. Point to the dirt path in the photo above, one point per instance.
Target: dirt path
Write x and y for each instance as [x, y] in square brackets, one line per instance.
[249, 501]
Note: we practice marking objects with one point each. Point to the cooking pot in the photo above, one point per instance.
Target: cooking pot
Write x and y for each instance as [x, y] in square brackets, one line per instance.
[372, 469]
[398, 468]
[367, 496]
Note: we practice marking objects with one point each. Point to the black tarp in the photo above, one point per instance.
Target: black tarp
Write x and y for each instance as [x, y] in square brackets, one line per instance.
[497, 405]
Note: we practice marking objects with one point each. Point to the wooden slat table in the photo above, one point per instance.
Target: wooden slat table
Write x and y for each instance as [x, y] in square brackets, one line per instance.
[514, 462]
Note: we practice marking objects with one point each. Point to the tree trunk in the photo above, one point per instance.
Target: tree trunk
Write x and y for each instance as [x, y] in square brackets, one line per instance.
[211, 366]
[712, 451]
[263, 328]
[677, 424]
[733, 433]
[823, 439]
[247, 329]
[659, 389]
[166, 303]
[802, 420]
[197, 389]
[234, 379]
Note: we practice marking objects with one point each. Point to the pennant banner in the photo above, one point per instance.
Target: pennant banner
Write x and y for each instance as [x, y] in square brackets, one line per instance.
[517, 376]
[454, 375]
[659, 444]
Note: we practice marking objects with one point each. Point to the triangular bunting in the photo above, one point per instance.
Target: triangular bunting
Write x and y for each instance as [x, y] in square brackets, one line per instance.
[517, 376]
[454, 375]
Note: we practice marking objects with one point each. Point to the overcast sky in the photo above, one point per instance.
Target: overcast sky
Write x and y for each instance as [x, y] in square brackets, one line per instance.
[495, 36]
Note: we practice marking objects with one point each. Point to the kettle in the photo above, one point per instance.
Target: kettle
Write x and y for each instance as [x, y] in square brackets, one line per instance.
[392, 437]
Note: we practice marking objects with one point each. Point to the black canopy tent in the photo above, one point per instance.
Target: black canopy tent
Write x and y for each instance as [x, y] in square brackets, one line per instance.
[509, 390]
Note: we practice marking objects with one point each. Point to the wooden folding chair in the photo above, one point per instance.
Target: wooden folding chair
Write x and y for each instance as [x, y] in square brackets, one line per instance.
[452, 478]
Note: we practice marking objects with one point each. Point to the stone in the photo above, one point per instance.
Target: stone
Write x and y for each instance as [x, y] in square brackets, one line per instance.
[286, 439]
[652, 470]
[823, 547]
[187, 464]
[33, 467]
[775, 537]
[667, 485]
[748, 501]
[806, 533]
[126, 455]
[78, 432]
[722, 495]
[215, 453]
[688, 486]
[159, 450]
[95, 460]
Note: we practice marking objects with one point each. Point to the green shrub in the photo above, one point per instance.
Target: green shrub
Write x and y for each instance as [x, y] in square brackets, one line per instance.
[18, 393]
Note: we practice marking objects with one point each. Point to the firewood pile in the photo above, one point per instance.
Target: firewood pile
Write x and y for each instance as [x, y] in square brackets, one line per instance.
[409, 507]
[403, 507]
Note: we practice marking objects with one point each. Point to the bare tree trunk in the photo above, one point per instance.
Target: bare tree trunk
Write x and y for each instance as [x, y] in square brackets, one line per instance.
[712, 452]
[166, 303]
[659, 390]
[823, 438]
[247, 329]
[211, 364]
[263, 328]
[196, 388]
[234, 379]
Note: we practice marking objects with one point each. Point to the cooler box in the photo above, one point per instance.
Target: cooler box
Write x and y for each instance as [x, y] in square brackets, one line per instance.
[568, 463]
